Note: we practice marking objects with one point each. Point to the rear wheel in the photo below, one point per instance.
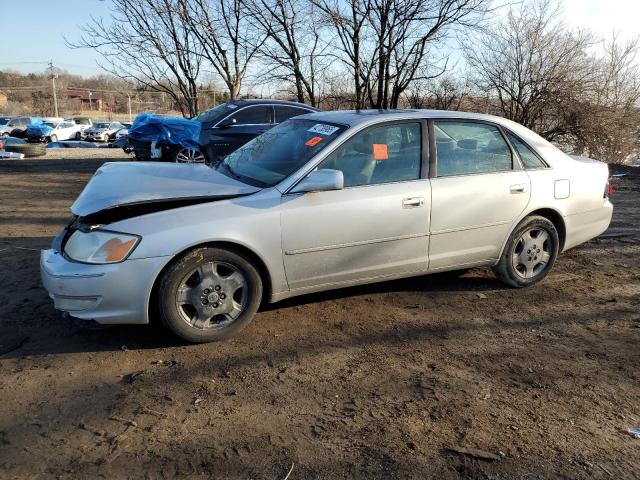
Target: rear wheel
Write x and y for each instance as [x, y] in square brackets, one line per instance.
[530, 253]
[188, 155]
[209, 294]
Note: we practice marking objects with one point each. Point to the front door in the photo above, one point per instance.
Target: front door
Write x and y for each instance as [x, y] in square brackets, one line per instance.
[477, 194]
[375, 227]
[249, 122]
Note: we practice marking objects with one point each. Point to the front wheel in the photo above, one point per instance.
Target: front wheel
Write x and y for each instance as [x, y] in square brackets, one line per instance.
[529, 254]
[53, 138]
[209, 294]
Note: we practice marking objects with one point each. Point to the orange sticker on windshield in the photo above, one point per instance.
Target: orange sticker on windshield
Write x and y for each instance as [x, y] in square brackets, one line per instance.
[313, 142]
[380, 151]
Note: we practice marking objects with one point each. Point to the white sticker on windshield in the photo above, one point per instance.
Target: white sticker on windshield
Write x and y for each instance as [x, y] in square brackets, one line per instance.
[323, 129]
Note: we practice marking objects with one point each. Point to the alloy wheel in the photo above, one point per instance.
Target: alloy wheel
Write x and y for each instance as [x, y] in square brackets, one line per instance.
[532, 252]
[187, 155]
[212, 296]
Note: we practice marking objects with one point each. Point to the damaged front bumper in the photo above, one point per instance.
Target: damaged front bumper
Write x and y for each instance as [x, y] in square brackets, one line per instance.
[109, 294]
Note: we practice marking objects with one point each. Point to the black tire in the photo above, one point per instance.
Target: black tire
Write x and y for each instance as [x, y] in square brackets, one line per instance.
[28, 150]
[52, 138]
[532, 269]
[173, 316]
[4, 134]
[78, 136]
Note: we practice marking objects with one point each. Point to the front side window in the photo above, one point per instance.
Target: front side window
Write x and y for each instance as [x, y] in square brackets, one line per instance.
[464, 148]
[257, 115]
[273, 156]
[286, 112]
[390, 153]
[528, 157]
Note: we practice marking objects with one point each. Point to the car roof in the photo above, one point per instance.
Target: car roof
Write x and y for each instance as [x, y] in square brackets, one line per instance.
[363, 118]
[269, 101]
[357, 117]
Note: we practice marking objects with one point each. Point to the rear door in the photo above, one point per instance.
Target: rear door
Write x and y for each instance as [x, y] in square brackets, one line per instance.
[376, 226]
[285, 112]
[478, 191]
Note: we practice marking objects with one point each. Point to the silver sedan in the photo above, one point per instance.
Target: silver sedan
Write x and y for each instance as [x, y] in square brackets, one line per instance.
[322, 201]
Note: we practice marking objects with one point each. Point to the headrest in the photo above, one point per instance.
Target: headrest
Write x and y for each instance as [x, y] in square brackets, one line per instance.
[468, 143]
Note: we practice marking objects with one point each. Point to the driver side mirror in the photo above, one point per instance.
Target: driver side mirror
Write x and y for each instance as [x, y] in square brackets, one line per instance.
[321, 181]
[229, 122]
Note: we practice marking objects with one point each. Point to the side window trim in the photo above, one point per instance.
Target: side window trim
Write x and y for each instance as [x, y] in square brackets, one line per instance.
[433, 165]
[303, 111]
[271, 114]
[529, 147]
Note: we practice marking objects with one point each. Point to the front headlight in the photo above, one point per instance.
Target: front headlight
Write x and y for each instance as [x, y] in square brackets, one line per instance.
[100, 246]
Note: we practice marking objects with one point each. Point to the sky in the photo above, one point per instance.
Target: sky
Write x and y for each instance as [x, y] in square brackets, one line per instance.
[33, 35]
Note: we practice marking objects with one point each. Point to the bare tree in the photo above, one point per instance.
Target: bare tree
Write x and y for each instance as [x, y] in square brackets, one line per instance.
[348, 20]
[608, 117]
[293, 52]
[445, 93]
[533, 64]
[226, 37]
[386, 42]
[148, 44]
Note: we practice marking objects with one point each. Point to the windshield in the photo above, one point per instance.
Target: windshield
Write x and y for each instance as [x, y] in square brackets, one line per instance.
[50, 124]
[101, 125]
[277, 153]
[216, 112]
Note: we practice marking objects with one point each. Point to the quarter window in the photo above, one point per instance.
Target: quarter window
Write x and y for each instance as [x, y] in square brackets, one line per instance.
[285, 113]
[257, 115]
[466, 147]
[528, 157]
[390, 153]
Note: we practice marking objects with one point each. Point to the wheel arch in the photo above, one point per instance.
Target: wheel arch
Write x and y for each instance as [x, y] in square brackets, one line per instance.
[550, 214]
[556, 218]
[261, 266]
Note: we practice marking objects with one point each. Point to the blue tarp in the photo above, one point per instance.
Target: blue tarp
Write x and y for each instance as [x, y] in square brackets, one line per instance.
[38, 130]
[172, 130]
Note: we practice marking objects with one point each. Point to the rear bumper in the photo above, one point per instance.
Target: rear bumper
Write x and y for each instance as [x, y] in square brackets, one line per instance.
[584, 226]
[109, 294]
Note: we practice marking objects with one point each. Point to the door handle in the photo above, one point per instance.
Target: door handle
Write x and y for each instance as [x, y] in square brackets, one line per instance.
[519, 188]
[412, 202]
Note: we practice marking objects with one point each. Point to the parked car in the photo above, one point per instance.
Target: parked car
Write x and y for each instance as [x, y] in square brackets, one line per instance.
[84, 123]
[17, 126]
[52, 131]
[4, 120]
[102, 131]
[212, 134]
[322, 201]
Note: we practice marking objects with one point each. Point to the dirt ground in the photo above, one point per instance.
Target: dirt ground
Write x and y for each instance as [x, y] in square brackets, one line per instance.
[392, 380]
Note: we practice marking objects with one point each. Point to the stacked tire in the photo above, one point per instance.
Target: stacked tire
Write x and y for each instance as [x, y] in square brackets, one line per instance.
[28, 150]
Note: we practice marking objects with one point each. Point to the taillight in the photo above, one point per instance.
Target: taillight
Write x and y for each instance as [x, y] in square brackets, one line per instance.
[608, 190]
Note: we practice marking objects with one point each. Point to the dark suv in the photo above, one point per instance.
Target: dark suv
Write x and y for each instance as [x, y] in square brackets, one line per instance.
[219, 131]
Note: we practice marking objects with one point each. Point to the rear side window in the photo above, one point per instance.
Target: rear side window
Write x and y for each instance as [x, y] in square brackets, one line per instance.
[257, 115]
[285, 112]
[528, 157]
[464, 148]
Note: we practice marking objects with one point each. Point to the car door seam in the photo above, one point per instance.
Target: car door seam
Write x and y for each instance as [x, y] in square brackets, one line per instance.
[354, 244]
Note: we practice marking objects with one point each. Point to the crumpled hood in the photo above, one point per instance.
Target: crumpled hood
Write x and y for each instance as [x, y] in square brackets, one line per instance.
[130, 183]
[39, 130]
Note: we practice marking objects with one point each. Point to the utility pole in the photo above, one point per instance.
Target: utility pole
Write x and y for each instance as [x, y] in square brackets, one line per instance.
[54, 75]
